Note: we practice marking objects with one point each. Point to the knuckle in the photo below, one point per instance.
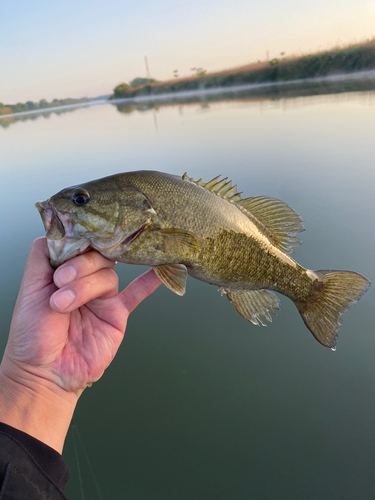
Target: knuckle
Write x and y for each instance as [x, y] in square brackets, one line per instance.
[112, 277]
[90, 261]
[144, 284]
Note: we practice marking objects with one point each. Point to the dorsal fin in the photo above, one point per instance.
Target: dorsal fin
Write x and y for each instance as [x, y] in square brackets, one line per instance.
[279, 218]
[281, 222]
[223, 188]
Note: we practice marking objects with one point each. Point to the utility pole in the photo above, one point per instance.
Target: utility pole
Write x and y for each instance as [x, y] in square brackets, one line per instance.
[147, 69]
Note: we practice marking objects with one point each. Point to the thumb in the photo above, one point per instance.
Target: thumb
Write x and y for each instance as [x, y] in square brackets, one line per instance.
[38, 271]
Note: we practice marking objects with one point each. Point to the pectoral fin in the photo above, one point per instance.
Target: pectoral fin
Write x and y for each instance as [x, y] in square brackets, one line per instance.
[173, 276]
[254, 305]
[178, 241]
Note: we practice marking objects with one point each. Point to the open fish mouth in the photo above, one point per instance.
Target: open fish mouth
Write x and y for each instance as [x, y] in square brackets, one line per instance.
[62, 243]
[54, 227]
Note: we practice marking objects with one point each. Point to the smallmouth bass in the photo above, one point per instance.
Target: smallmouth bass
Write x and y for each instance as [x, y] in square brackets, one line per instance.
[180, 226]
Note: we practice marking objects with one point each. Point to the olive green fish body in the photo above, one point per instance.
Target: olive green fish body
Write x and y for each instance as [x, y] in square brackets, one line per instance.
[234, 252]
[180, 226]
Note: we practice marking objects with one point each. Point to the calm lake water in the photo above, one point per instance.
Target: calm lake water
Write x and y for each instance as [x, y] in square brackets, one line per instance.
[200, 404]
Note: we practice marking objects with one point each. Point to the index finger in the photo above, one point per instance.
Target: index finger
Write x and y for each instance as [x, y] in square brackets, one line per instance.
[81, 266]
[139, 289]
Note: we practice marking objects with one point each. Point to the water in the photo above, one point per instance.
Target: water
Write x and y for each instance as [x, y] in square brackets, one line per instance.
[199, 403]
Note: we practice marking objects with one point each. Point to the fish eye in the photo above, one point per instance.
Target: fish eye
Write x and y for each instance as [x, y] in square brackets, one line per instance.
[80, 198]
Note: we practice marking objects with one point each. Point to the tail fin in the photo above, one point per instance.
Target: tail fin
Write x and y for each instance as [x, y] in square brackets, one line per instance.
[333, 293]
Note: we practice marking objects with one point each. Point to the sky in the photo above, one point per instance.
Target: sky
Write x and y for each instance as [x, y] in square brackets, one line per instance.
[78, 48]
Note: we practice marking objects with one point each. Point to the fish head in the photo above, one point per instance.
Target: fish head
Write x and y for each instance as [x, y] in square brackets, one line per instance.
[95, 215]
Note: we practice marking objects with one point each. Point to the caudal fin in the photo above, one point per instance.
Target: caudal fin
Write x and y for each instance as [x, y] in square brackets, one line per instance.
[333, 293]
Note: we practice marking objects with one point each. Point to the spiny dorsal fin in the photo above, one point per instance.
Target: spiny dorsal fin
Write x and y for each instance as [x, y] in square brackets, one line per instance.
[282, 221]
[223, 188]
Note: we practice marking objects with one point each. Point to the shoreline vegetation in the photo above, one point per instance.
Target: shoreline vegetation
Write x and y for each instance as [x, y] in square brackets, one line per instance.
[346, 60]
[314, 87]
[332, 87]
[265, 77]
[42, 105]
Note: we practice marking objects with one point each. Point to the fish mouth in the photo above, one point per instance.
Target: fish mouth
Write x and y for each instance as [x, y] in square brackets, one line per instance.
[62, 243]
[53, 226]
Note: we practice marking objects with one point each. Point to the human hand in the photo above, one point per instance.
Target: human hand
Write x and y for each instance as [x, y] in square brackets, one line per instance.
[68, 324]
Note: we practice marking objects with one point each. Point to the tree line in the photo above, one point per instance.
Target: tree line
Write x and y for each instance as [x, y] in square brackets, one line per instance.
[21, 107]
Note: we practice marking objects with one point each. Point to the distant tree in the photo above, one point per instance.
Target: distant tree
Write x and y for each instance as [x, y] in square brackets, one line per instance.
[32, 105]
[121, 89]
[199, 71]
[4, 110]
[19, 107]
[43, 103]
[139, 82]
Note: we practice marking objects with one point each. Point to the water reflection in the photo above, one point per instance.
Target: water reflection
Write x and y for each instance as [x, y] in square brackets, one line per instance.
[8, 120]
[199, 403]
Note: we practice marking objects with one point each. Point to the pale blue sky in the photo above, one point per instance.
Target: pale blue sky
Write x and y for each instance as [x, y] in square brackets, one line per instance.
[73, 48]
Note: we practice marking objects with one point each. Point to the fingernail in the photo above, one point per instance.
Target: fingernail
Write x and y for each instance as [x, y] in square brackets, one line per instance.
[64, 299]
[65, 275]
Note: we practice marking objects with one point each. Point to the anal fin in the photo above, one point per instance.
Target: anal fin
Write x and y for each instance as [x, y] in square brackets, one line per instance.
[173, 276]
[254, 305]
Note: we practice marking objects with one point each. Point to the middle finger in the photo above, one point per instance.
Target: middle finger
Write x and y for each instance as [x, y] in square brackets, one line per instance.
[102, 284]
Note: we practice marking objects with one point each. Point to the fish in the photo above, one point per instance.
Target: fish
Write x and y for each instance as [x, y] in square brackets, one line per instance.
[182, 227]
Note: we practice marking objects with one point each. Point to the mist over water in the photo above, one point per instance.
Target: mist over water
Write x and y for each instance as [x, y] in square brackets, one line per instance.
[200, 403]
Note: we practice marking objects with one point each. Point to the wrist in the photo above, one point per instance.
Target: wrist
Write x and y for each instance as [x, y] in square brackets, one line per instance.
[35, 405]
